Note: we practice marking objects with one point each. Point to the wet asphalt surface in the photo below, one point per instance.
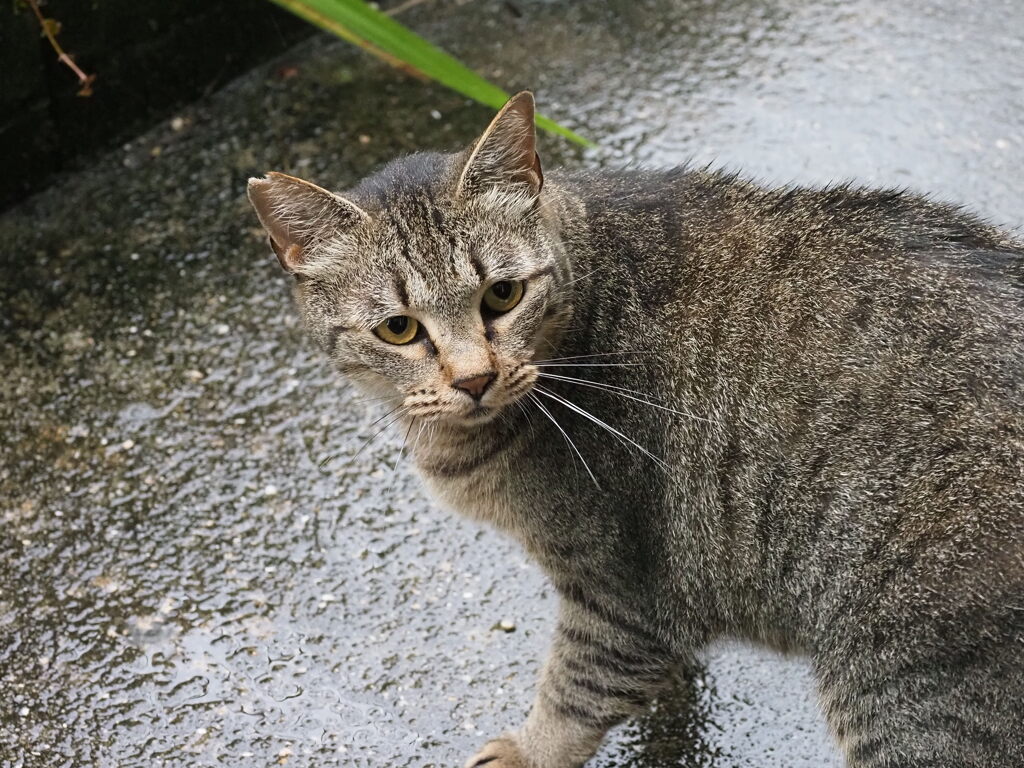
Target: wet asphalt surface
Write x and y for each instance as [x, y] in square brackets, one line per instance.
[195, 567]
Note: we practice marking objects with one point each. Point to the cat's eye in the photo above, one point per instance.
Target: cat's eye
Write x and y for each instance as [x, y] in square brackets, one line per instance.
[503, 295]
[399, 329]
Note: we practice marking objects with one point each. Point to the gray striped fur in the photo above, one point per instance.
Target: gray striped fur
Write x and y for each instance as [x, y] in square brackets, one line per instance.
[836, 467]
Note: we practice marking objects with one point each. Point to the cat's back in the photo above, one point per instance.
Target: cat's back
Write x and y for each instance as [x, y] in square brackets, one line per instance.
[858, 352]
[869, 264]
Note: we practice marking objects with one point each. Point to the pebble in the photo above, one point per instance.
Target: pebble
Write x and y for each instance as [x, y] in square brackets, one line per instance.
[507, 625]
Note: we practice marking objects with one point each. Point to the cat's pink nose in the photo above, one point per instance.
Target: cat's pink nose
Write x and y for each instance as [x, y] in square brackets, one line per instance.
[476, 385]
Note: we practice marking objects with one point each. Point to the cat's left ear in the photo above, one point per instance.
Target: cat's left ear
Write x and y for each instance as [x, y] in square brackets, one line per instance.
[506, 155]
[297, 215]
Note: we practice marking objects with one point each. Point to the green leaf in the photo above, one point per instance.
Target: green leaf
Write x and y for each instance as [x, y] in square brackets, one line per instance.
[378, 33]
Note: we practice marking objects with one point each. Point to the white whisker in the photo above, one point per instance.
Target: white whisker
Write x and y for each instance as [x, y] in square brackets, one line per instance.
[401, 452]
[370, 399]
[572, 450]
[518, 403]
[568, 440]
[589, 365]
[622, 392]
[598, 354]
[380, 431]
[327, 460]
[588, 415]
[582, 277]
[601, 384]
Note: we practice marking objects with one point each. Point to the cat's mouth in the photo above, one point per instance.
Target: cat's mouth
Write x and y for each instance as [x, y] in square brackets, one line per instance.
[458, 410]
[489, 408]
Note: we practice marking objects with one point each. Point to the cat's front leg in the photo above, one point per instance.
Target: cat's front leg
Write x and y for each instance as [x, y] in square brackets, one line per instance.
[599, 672]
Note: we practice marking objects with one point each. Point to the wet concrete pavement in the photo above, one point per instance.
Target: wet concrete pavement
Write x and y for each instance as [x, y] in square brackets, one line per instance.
[194, 570]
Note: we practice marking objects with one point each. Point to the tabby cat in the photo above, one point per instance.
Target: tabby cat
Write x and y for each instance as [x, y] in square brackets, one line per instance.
[706, 409]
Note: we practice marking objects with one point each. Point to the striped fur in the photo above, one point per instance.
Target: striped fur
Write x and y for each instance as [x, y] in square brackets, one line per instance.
[817, 405]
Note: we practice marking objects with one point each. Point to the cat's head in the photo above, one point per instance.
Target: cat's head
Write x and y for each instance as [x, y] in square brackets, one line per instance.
[436, 282]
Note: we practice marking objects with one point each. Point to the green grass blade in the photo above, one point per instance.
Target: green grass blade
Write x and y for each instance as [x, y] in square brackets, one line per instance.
[378, 33]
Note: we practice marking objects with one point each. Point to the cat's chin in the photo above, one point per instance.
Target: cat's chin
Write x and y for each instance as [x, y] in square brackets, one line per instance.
[478, 417]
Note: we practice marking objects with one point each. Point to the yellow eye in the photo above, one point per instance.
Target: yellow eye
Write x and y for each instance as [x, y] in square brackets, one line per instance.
[399, 329]
[503, 295]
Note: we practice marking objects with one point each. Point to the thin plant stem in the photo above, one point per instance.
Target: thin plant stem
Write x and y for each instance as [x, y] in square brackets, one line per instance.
[85, 80]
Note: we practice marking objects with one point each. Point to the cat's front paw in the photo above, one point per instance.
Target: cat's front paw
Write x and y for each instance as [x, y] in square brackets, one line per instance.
[500, 753]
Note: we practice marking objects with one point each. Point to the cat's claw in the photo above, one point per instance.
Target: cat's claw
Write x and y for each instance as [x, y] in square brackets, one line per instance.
[500, 753]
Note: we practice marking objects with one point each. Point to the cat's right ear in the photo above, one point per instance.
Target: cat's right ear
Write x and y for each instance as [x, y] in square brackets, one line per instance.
[297, 215]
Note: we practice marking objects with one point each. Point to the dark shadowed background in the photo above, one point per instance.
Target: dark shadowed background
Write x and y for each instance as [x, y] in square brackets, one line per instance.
[149, 56]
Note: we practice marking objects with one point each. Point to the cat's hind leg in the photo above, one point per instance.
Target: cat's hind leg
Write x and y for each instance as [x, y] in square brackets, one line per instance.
[945, 708]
